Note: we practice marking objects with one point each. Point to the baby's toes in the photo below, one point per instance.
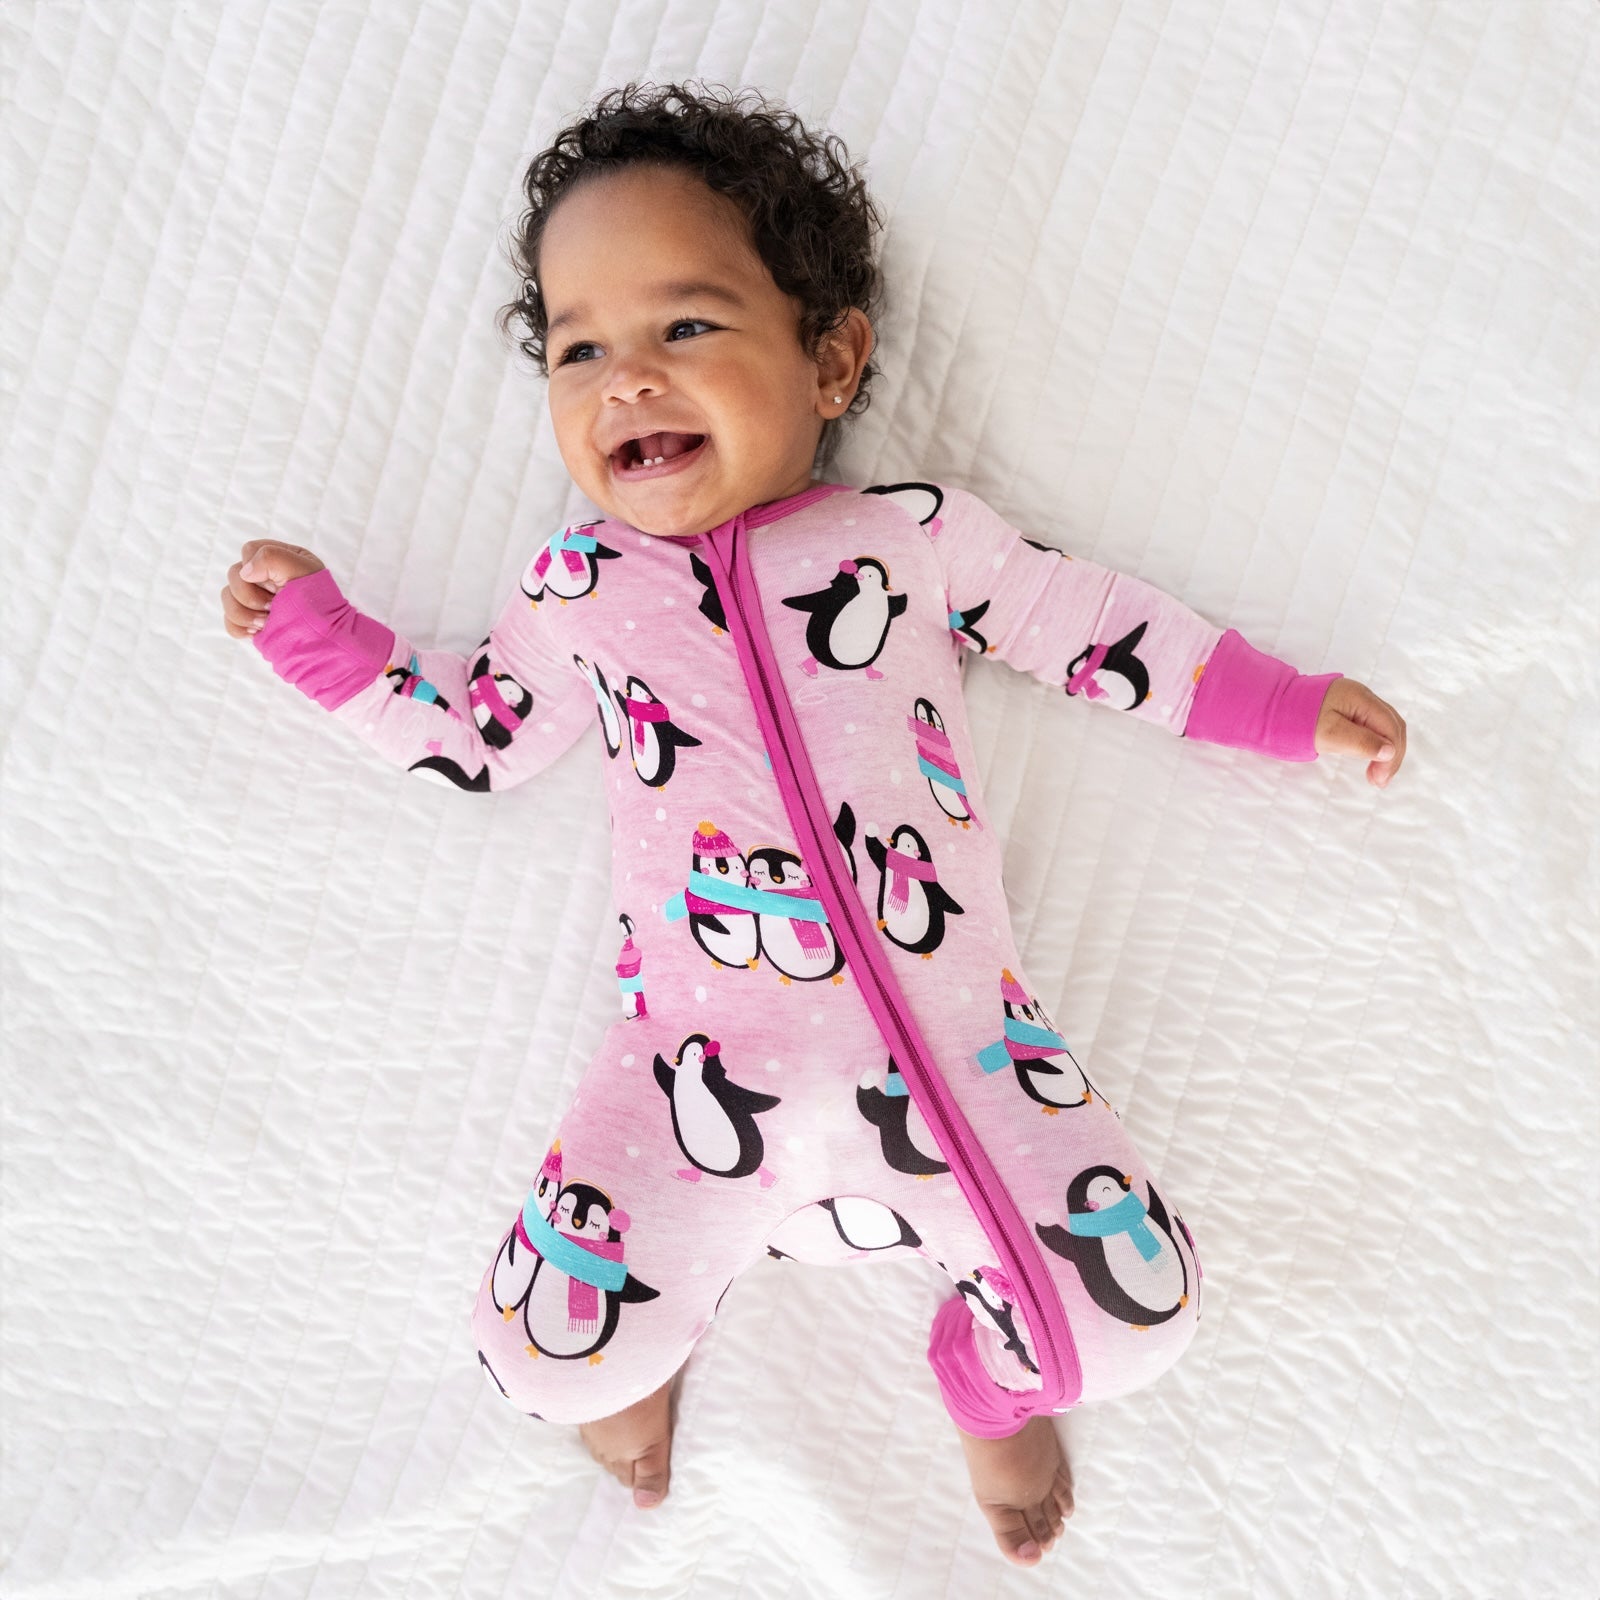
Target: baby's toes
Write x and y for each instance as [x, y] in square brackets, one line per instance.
[1022, 1538]
[651, 1473]
[1065, 1504]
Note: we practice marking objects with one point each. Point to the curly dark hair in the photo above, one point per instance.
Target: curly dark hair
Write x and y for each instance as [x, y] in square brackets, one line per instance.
[811, 219]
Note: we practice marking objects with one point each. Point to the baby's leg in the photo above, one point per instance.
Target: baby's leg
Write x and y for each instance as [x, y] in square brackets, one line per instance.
[1127, 1278]
[615, 1265]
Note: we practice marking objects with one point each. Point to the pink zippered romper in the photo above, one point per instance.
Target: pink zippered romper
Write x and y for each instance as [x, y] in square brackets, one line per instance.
[828, 1047]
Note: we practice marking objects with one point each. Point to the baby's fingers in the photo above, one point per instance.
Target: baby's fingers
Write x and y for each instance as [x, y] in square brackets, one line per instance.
[1355, 722]
[240, 618]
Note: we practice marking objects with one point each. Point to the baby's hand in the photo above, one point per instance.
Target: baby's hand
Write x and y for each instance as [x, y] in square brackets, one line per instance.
[1355, 722]
[245, 603]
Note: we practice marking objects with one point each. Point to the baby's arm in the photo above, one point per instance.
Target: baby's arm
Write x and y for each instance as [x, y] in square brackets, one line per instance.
[1121, 642]
[486, 720]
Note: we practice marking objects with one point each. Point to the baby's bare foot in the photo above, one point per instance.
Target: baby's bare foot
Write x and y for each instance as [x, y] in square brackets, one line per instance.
[1023, 1486]
[635, 1445]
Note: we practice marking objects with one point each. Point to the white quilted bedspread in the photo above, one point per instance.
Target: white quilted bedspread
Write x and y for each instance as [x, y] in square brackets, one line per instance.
[1291, 309]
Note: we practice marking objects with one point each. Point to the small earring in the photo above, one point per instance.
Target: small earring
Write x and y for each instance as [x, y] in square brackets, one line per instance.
[837, 399]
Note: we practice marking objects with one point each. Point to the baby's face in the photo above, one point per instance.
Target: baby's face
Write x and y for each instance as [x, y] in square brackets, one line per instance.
[664, 320]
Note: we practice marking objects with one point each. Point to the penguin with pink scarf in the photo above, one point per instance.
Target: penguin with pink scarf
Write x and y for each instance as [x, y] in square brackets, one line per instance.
[566, 566]
[912, 903]
[1028, 1045]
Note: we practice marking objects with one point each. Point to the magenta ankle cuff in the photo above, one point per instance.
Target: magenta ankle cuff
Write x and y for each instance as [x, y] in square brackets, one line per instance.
[976, 1403]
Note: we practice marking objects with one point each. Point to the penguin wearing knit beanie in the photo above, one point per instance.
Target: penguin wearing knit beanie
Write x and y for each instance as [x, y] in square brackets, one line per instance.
[629, 979]
[912, 904]
[713, 1118]
[610, 728]
[797, 947]
[1122, 1246]
[653, 738]
[513, 1267]
[903, 1133]
[1029, 1044]
[726, 933]
[850, 618]
[1112, 673]
[499, 703]
[989, 1295]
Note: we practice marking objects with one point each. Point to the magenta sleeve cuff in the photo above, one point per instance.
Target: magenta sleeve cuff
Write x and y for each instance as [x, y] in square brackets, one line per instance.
[1253, 701]
[315, 639]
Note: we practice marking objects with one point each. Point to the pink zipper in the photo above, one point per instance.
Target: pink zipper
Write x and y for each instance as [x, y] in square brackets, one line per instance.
[1056, 1355]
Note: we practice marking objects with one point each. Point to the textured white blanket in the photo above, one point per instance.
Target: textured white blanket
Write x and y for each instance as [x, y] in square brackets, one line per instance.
[1290, 309]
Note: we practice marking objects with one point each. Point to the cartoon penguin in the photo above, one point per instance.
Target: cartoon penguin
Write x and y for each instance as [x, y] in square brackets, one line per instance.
[937, 763]
[710, 602]
[1028, 1044]
[844, 830]
[1122, 1247]
[868, 1225]
[1112, 673]
[409, 684]
[990, 1296]
[610, 728]
[964, 624]
[912, 904]
[907, 1144]
[513, 1267]
[629, 980]
[726, 933]
[438, 768]
[579, 1287]
[922, 501]
[713, 1118]
[567, 565]
[850, 618]
[499, 703]
[653, 737]
[797, 946]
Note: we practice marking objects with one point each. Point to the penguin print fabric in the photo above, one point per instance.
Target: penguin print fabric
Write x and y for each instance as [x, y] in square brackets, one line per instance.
[750, 1107]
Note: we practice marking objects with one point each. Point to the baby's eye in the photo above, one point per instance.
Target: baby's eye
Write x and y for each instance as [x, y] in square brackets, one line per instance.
[571, 353]
[686, 322]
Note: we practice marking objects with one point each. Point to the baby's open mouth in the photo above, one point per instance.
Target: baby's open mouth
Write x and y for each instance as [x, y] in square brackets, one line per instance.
[654, 449]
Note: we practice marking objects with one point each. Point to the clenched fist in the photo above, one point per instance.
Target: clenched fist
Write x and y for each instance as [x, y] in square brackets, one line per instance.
[1355, 722]
[264, 566]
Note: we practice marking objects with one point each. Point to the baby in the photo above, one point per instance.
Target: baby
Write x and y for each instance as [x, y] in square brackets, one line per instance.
[829, 1047]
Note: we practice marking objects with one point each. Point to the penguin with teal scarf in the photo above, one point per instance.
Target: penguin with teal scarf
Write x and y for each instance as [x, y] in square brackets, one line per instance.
[1123, 1247]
